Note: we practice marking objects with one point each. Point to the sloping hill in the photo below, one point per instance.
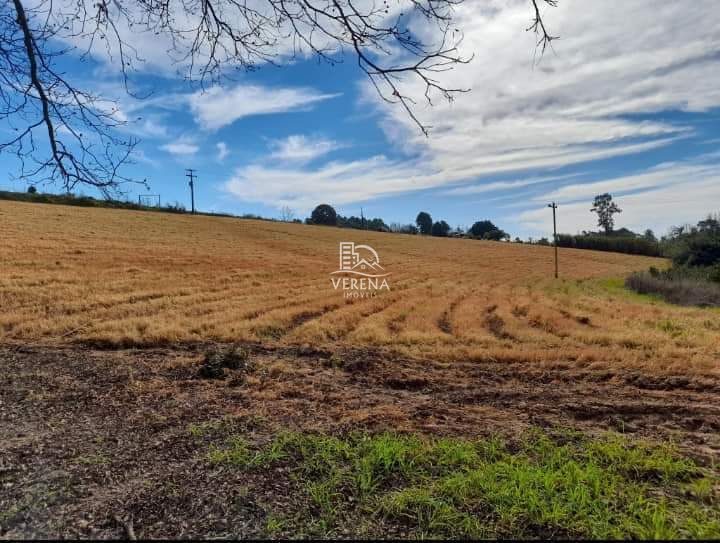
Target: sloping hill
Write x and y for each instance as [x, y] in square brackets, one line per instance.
[122, 277]
[473, 398]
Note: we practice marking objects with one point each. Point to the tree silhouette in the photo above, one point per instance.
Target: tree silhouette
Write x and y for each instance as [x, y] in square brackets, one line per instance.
[324, 214]
[424, 223]
[605, 208]
[440, 229]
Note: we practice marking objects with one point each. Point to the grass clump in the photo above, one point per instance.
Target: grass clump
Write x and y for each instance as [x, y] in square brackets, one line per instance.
[217, 360]
[607, 487]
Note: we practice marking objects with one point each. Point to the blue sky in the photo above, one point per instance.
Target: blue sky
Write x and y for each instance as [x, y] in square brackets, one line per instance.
[628, 102]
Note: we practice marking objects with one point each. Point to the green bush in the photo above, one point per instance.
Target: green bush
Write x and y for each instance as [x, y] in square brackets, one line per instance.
[700, 250]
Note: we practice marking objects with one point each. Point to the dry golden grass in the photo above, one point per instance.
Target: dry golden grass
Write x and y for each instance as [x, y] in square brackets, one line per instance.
[133, 278]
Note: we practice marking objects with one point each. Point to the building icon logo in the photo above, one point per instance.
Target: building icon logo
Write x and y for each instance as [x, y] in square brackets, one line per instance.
[360, 260]
[360, 274]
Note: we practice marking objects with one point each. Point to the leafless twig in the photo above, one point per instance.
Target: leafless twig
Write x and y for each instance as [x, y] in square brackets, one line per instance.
[61, 132]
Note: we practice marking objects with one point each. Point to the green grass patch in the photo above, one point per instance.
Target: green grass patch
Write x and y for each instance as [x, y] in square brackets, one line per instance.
[616, 286]
[567, 486]
[598, 288]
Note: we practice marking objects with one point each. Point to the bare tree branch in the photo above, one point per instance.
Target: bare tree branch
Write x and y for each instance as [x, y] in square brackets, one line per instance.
[79, 144]
[545, 39]
[61, 131]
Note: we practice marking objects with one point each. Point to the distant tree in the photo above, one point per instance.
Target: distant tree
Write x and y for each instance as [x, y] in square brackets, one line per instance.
[287, 214]
[649, 235]
[32, 189]
[543, 241]
[518, 240]
[377, 225]
[605, 209]
[424, 223]
[440, 229]
[361, 223]
[711, 225]
[324, 214]
[487, 230]
[695, 246]
[480, 228]
[625, 233]
[496, 235]
[634, 244]
[403, 228]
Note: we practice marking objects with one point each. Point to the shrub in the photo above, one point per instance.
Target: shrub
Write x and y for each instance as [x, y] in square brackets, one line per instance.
[714, 274]
[677, 290]
[217, 360]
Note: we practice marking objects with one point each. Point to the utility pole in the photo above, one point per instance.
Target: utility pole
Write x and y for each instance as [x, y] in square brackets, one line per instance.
[555, 238]
[191, 174]
[362, 218]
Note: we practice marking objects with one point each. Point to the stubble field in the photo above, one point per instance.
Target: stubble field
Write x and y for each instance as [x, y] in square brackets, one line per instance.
[393, 404]
[123, 278]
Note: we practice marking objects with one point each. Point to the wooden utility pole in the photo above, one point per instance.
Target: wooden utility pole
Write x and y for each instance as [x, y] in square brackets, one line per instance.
[362, 218]
[555, 238]
[191, 174]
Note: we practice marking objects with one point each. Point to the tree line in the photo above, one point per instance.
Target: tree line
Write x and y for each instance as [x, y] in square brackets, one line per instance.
[607, 238]
[325, 215]
[690, 246]
[694, 277]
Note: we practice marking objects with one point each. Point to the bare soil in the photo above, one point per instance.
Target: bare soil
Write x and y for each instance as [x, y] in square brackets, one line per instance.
[94, 443]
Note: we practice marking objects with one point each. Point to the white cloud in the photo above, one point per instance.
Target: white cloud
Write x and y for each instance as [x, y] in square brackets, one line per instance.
[615, 58]
[181, 147]
[299, 148]
[222, 151]
[506, 185]
[152, 128]
[138, 155]
[335, 182]
[661, 175]
[341, 183]
[218, 107]
[667, 194]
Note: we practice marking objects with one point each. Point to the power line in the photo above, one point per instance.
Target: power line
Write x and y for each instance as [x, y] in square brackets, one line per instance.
[191, 174]
[554, 207]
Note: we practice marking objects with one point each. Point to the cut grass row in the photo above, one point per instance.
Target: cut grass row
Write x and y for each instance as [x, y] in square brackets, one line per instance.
[566, 485]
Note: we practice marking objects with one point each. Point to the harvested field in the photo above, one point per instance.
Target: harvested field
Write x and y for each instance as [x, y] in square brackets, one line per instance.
[123, 278]
[176, 376]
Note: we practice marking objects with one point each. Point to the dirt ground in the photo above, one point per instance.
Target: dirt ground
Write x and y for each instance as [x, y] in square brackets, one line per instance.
[93, 442]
